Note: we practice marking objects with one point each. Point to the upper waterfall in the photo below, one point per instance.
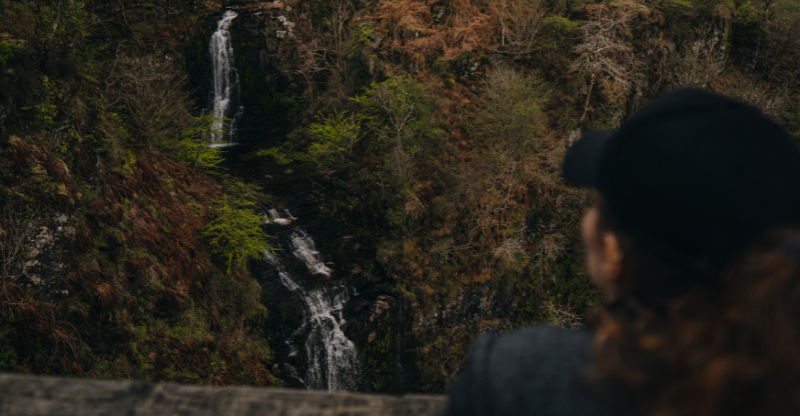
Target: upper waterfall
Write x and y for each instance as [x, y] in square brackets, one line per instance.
[226, 79]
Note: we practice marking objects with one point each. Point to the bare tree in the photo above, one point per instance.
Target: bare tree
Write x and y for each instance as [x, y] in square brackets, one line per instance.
[520, 22]
[605, 56]
[326, 51]
[698, 67]
[153, 93]
[703, 66]
[310, 63]
[508, 120]
[14, 229]
[783, 43]
[509, 117]
[771, 100]
[335, 43]
[400, 111]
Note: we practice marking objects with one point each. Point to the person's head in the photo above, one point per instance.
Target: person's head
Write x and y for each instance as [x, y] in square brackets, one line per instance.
[727, 351]
[685, 184]
[682, 190]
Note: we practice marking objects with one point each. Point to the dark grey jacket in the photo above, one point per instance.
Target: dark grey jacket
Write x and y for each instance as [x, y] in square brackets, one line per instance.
[528, 372]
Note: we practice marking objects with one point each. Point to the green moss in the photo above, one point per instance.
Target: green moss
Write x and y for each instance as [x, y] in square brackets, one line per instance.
[8, 359]
[10, 49]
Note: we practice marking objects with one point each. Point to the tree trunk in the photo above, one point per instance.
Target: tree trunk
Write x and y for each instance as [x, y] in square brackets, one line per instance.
[588, 96]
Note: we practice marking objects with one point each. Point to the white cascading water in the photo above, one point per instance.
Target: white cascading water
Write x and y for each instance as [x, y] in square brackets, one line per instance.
[226, 79]
[276, 218]
[303, 249]
[332, 358]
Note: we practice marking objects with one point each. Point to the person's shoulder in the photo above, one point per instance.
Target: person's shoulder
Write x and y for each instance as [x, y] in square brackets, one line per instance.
[533, 371]
[540, 357]
[544, 340]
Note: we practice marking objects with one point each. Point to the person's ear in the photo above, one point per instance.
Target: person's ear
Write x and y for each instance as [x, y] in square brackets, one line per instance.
[613, 258]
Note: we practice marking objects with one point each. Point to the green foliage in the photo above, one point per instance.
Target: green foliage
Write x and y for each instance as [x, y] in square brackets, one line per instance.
[94, 110]
[236, 234]
[8, 49]
[707, 6]
[748, 28]
[70, 18]
[192, 148]
[44, 112]
[510, 117]
[278, 154]
[746, 38]
[558, 28]
[360, 37]
[334, 137]
[401, 113]
[8, 359]
[372, 150]
[247, 194]
[402, 131]
[785, 12]
[558, 35]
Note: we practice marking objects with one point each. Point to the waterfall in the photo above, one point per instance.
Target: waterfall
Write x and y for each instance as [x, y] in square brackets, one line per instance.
[303, 249]
[226, 80]
[332, 361]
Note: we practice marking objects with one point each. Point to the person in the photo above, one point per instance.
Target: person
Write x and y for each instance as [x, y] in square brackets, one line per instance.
[690, 239]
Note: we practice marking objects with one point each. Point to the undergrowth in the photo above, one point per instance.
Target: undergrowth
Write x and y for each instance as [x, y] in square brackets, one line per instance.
[436, 130]
[98, 130]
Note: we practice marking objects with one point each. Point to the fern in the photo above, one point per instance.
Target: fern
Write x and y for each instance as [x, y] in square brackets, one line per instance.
[236, 234]
[192, 148]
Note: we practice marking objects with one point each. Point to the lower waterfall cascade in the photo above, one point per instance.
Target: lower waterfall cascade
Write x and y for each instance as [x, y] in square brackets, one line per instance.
[332, 357]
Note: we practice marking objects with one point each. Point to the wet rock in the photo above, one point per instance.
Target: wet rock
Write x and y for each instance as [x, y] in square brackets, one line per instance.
[371, 318]
[381, 307]
[47, 242]
[356, 269]
[438, 14]
[264, 60]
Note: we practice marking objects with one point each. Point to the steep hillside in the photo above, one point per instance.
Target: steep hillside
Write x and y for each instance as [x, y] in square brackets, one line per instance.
[435, 131]
[107, 266]
[417, 142]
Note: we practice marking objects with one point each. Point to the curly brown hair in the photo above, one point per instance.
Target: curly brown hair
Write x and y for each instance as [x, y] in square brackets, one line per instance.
[731, 349]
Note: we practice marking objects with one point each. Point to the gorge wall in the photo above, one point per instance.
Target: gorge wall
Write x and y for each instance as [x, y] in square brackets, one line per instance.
[394, 191]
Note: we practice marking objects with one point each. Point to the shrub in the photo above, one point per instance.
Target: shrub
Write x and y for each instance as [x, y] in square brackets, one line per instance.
[8, 49]
[236, 234]
[153, 94]
[334, 137]
[558, 28]
[401, 116]
[509, 117]
[747, 34]
[402, 133]
[192, 147]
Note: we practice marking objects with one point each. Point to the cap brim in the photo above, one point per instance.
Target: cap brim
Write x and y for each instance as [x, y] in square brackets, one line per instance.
[582, 164]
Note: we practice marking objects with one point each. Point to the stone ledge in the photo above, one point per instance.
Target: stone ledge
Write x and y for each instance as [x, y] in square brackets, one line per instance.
[48, 396]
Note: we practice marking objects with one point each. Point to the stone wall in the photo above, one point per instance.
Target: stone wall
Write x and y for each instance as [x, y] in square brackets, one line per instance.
[39, 395]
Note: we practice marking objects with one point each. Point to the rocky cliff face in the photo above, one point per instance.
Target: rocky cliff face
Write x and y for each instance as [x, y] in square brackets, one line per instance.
[417, 144]
[49, 239]
[406, 341]
[466, 241]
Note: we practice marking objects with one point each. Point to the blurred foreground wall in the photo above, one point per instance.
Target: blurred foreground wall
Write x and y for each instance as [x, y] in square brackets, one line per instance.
[39, 395]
